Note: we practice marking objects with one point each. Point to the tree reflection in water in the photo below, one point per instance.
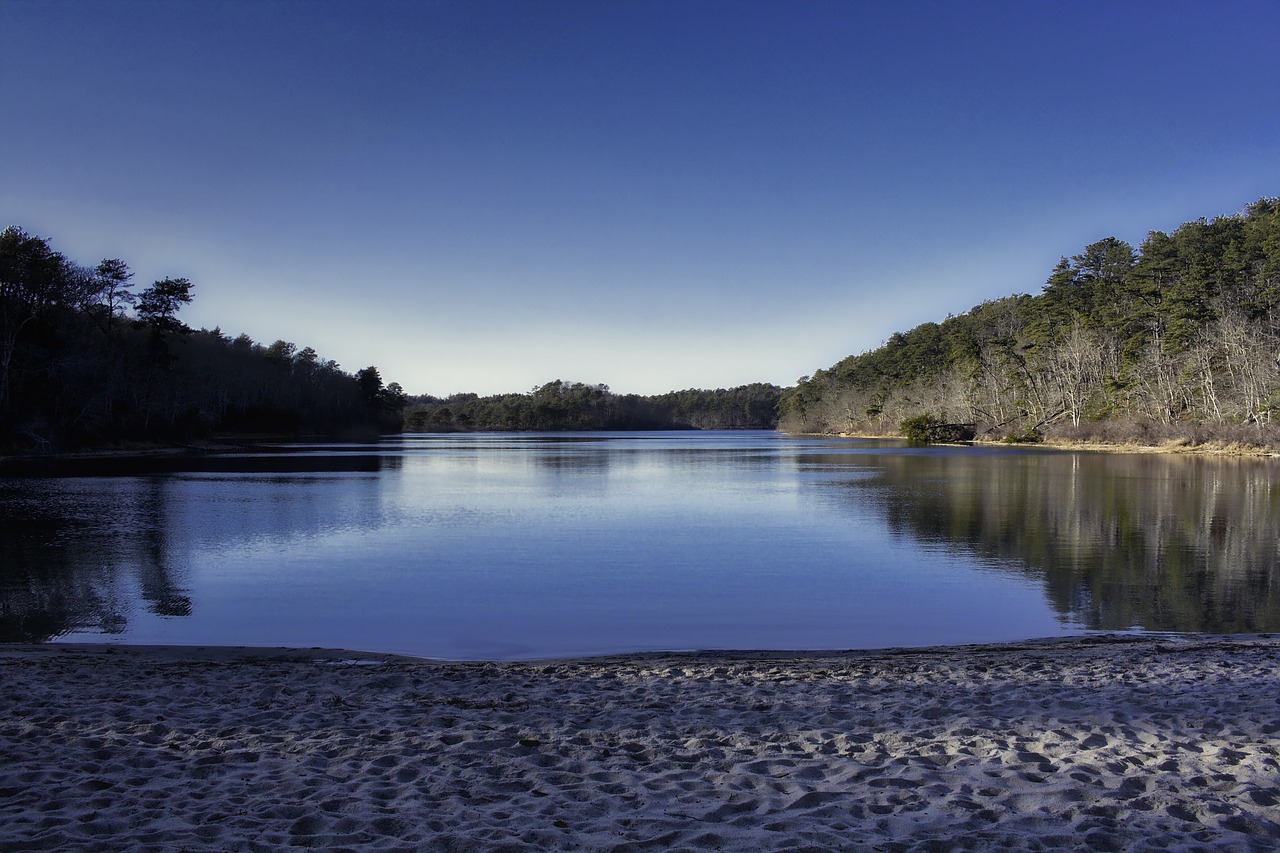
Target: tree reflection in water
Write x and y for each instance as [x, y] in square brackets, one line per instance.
[1163, 543]
[1158, 542]
[73, 545]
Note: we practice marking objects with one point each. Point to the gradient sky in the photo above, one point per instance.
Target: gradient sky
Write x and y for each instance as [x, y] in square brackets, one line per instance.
[485, 196]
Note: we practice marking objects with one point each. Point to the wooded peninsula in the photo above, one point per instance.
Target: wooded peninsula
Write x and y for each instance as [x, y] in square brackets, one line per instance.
[1177, 341]
[88, 363]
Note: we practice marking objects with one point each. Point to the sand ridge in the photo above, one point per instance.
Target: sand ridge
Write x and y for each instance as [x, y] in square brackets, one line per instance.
[1151, 743]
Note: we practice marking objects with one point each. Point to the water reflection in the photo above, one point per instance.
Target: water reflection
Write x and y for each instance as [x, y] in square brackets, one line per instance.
[64, 545]
[84, 550]
[531, 545]
[1164, 543]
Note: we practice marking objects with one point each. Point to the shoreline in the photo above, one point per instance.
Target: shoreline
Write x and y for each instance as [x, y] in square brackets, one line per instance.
[224, 653]
[1171, 447]
[36, 463]
[1211, 448]
[1120, 742]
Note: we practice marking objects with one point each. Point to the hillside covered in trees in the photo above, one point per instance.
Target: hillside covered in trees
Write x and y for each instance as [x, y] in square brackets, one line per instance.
[1176, 340]
[85, 361]
[573, 406]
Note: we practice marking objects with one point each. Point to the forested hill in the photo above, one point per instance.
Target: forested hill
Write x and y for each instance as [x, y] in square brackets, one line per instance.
[85, 362]
[1176, 340]
[563, 405]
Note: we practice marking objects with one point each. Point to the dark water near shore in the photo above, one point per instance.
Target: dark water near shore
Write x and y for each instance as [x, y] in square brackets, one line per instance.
[532, 545]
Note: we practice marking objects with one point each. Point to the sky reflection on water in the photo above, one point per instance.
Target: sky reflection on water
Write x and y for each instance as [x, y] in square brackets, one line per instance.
[528, 545]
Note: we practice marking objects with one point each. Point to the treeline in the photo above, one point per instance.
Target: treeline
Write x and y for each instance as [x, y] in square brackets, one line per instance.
[565, 406]
[1176, 340]
[85, 361]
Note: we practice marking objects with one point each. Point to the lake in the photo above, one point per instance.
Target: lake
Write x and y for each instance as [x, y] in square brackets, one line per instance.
[504, 546]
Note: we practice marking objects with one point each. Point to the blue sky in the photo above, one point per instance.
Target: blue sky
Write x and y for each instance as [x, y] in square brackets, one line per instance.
[485, 196]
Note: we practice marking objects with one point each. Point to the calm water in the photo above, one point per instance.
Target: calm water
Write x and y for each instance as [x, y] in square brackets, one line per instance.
[533, 545]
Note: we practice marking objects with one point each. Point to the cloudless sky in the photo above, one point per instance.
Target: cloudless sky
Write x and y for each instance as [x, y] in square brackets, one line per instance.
[486, 195]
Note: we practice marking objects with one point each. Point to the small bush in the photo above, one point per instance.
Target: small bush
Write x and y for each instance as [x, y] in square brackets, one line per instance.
[927, 429]
[920, 429]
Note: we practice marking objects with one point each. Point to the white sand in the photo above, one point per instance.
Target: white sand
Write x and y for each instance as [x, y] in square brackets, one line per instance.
[1153, 744]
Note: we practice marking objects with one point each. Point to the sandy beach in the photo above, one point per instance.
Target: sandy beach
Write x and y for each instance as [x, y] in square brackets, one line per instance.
[1167, 743]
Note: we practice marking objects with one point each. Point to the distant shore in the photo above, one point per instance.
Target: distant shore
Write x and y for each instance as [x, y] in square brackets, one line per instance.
[1107, 743]
[37, 463]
